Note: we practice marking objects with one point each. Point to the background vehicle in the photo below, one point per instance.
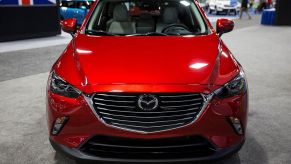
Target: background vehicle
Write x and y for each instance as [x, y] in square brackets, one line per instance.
[223, 6]
[75, 9]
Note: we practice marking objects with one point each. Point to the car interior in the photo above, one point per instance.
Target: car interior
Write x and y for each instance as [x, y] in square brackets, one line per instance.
[141, 17]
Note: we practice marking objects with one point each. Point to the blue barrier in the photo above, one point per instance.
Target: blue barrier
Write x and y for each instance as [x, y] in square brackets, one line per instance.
[268, 17]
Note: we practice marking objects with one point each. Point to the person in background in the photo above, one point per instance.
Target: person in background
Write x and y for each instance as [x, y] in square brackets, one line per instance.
[244, 8]
[269, 4]
[261, 6]
[251, 5]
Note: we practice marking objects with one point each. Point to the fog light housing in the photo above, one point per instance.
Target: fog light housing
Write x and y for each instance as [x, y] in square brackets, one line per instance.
[59, 124]
[236, 124]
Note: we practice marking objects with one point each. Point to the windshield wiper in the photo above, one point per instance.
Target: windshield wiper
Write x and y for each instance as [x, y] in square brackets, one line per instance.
[149, 34]
[99, 32]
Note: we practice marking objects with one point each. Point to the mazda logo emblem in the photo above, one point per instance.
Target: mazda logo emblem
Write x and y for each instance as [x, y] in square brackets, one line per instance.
[148, 102]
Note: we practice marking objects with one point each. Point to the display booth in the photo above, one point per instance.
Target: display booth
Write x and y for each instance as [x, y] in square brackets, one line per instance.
[21, 19]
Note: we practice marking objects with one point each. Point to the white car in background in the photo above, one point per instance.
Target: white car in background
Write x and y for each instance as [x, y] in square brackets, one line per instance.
[223, 6]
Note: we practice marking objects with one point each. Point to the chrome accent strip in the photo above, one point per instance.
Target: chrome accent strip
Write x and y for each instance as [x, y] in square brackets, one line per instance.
[188, 95]
[177, 101]
[165, 111]
[118, 106]
[89, 100]
[175, 106]
[156, 126]
[117, 101]
[172, 109]
[118, 115]
[182, 119]
[206, 100]
[103, 94]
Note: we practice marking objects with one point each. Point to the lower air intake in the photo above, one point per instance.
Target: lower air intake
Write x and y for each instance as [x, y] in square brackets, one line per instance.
[164, 148]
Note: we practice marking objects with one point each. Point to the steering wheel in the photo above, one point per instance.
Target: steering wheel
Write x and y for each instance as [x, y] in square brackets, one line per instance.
[176, 27]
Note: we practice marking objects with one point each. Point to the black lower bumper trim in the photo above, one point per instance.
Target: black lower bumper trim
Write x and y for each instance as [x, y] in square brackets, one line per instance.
[79, 156]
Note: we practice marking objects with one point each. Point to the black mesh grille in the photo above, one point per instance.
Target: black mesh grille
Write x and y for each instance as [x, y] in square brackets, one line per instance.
[174, 110]
[164, 148]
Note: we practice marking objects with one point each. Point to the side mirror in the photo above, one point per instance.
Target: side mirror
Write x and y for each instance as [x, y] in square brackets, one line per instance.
[69, 25]
[224, 26]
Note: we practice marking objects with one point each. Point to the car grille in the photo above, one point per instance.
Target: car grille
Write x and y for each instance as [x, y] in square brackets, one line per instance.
[162, 148]
[174, 110]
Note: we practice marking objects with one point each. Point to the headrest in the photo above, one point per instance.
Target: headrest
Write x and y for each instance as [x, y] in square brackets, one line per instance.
[120, 13]
[170, 15]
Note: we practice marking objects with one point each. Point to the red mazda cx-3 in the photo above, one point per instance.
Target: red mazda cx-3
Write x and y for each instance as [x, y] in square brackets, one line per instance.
[147, 81]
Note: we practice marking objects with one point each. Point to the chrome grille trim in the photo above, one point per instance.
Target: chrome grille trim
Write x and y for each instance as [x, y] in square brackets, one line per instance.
[119, 106]
[146, 127]
[171, 109]
[187, 95]
[103, 94]
[174, 101]
[179, 106]
[118, 115]
[165, 111]
[188, 120]
[114, 100]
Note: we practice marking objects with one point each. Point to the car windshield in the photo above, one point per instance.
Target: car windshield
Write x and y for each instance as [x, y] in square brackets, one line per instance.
[146, 17]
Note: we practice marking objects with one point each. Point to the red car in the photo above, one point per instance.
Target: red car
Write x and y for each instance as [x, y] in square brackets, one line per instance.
[154, 86]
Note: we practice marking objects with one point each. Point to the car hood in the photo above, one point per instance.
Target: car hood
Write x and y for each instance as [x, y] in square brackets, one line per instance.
[141, 60]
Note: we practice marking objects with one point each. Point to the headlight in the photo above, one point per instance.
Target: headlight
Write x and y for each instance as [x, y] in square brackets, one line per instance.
[61, 87]
[234, 87]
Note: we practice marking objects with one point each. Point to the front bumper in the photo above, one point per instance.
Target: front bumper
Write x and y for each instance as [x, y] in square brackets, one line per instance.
[77, 155]
[227, 9]
[212, 124]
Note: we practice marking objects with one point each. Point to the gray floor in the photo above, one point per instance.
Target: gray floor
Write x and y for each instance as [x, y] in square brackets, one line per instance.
[28, 62]
[265, 53]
